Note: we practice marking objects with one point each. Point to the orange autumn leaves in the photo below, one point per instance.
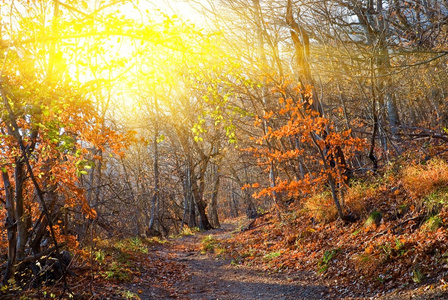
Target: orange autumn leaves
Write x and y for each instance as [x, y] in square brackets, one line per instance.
[58, 133]
[294, 134]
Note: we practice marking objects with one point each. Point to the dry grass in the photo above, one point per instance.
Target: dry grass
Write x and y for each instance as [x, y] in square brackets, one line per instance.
[422, 180]
[321, 207]
[356, 196]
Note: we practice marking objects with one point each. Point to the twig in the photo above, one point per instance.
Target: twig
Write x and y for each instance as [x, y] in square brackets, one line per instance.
[398, 225]
[37, 256]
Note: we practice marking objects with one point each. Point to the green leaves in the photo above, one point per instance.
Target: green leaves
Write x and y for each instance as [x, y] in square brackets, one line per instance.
[326, 259]
[82, 166]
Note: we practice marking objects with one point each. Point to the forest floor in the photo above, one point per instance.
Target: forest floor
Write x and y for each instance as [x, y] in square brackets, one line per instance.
[208, 276]
[394, 248]
[214, 264]
[197, 273]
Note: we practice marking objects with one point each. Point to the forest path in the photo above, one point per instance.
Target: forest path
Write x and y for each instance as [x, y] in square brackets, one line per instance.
[178, 269]
[208, 277]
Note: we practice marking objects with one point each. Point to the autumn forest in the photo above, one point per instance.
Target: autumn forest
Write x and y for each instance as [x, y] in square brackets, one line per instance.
[149, 147]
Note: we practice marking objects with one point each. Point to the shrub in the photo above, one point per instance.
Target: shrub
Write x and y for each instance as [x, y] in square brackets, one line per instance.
[324, 262]
[417, 275]
[187, 231]
[117, 272]
[210, 244]
[134, 244]
[321, 207]
[435, 200]
[99, 256]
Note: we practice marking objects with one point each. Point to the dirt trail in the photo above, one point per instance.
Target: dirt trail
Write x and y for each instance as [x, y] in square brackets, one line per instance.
[210, 278]
[195, 275]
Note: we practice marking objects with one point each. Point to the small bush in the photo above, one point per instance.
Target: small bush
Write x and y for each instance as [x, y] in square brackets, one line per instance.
[321, 207]
[130, 295]
[417, 275]
[99, 256]
[435, 200]
[117, 272]
[187, 231]
[400, 247]
[324, 262]
[134, 244]
[208, 243]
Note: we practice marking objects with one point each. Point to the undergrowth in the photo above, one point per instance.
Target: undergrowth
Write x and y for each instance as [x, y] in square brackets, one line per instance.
[400, 238]
[210, 244]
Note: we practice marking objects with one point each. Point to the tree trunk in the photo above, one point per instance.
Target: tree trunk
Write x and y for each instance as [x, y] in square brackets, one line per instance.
[22, 229]
[330, 179]
[155, 197]
[233, 204]
[301, 43]
[192, 222]
[204, 223]
[11, 227]
[266, 105]
[251, 209]
[213, 207]
[189, 216]
[388, 97]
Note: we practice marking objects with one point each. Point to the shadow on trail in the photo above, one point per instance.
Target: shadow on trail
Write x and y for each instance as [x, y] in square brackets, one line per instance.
[205, 277]
[211, 279]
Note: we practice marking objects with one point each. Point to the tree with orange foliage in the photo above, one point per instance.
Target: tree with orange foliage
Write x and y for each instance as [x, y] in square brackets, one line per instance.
[43, 149]
[303, 136]
[47, 124]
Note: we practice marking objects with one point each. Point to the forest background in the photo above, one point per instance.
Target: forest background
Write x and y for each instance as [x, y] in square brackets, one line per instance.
[121, 119]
